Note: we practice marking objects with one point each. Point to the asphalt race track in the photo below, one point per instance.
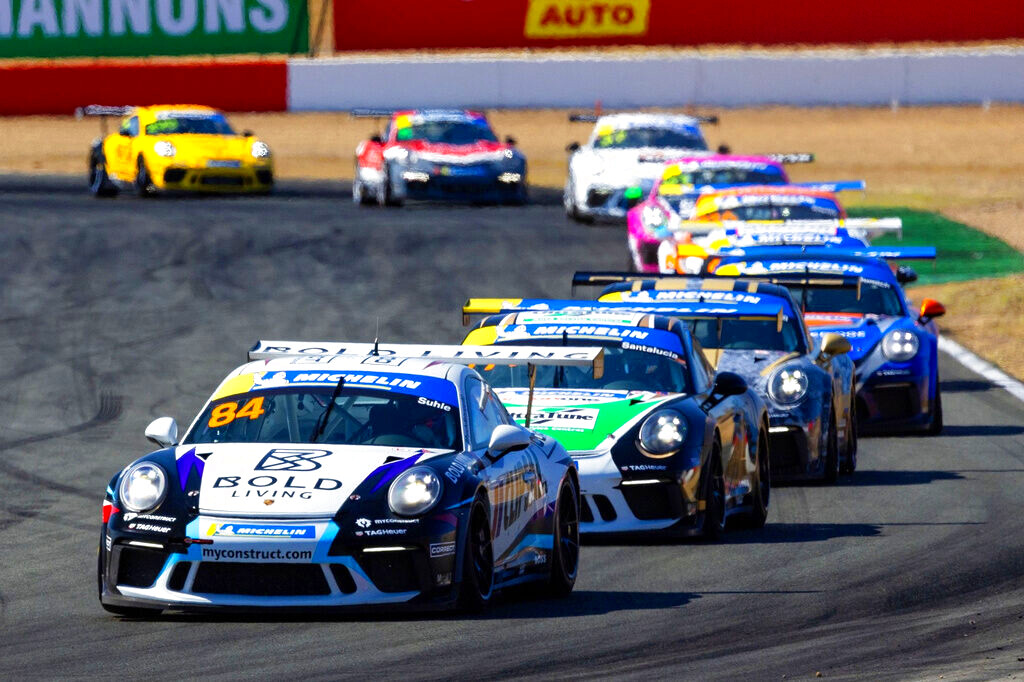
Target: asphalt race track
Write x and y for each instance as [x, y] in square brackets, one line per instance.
[118, 311]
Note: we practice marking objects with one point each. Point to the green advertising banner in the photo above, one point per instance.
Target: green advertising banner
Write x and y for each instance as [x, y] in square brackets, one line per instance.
[141, 28]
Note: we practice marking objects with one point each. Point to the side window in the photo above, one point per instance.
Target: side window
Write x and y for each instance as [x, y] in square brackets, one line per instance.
[495, 412]
[130, 126]
[702, 371]
[480, 434]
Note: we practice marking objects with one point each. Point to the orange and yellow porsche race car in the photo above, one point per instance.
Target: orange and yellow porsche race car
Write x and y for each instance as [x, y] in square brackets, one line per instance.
[176, 148]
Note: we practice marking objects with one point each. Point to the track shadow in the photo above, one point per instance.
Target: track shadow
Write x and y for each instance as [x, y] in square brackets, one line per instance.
[591, 603]
[784, 533]
[965, 386]
[982, 430]
[875, 477]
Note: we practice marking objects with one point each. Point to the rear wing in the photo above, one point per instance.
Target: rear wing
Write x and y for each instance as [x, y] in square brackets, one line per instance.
[371, 113]
[791, 157]
[830, 252]
[712, 309]
[102, 111]
[322, 351]
[592, 118]
[837, 186]
[868, 227]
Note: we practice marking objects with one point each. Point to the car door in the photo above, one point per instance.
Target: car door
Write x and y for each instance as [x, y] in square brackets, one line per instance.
[506, 485]
[119, 150]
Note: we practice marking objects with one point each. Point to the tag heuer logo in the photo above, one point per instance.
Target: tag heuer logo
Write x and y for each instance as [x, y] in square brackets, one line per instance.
[284, 459]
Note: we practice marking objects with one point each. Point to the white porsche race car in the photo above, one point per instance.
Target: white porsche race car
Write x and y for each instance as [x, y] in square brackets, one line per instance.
[625, 151]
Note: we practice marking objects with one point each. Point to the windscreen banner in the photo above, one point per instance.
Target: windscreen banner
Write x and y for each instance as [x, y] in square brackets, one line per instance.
[140, 28]
[366, 25]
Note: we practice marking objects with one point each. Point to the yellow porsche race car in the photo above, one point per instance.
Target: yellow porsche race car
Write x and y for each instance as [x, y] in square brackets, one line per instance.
[176, 148]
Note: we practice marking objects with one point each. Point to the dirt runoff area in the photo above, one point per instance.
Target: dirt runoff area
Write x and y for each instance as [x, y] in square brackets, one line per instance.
[966, 162]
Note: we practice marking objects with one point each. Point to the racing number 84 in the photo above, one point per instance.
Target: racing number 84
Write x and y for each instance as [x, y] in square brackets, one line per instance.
[225, 413]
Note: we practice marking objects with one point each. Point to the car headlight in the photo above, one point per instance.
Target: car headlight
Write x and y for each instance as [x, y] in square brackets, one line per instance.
[164, 148]
[900, 345]
[653, 218]
[414, 492]
[788, 385]
[260, 150]
[662, 433]
[142, 487]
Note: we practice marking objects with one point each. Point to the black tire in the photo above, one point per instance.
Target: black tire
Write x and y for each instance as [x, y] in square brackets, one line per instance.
[143, 183]
[99, 182]
[761, 494]
[565, 552]
[477, 586]
[385, 196]
[713, 522]
[359, 194]
[831, 473]
[849, 463]
[935, 427]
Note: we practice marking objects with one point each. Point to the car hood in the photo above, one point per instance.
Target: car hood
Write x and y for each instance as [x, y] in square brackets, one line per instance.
[210, 146]
[582, 419]
[288, 479]
[625, 166]
[862, 331]
[756, 366]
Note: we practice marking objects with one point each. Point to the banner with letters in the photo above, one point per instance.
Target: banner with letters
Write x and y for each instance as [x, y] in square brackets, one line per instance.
[136, 28]
[365, 25]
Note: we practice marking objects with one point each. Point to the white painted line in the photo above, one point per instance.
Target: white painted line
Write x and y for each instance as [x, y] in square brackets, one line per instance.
[982, 367]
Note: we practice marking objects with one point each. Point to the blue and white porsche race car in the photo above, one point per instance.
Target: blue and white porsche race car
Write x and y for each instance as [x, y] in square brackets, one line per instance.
[324, 475]
[855, 293]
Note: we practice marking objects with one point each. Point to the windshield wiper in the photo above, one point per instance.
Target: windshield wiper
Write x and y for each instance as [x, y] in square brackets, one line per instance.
[321, 422]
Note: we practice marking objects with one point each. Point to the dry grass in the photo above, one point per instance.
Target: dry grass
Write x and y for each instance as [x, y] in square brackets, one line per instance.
[986, 315]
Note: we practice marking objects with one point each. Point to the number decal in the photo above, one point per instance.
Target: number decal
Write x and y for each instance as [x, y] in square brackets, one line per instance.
[225, 413]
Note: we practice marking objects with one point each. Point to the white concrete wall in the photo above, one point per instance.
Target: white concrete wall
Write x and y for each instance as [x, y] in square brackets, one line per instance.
[804, 78]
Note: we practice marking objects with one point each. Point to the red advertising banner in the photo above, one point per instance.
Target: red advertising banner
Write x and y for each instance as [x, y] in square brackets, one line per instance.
[56, 88]
[367, 25]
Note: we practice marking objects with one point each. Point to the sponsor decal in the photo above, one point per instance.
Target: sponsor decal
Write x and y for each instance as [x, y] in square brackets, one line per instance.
[584, 19]
[219, 554]
[434, 403]
[759, 268]
[458, 467]
[441, 549]
[149, 528]
[570, 418]
[375, 532]
[186, 464]
[131, 516]
[285, 459]
[626, 345]
[364, 523]
[645, 467]
[266, 486]
[262, 531]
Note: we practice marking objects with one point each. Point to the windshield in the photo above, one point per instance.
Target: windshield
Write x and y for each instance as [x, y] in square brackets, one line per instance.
[797, 212]
[875, 299]
[735, 334]
[359, 417]
[196, 125]
[447, 132]
[650, 137]
[624, 370]
[726, 176]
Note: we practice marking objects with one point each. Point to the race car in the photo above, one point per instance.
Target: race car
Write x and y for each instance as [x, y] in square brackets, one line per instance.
[331, 474]
[855, 293]
[683, 182]
[624, 150]
[180, 147]
[756, 330]
[437, 154]
[686, 248]
[664, 445]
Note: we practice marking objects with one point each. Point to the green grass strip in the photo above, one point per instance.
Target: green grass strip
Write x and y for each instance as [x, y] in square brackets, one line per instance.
[963, 252]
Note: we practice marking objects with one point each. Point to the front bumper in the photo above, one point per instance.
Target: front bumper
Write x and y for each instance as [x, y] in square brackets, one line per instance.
[607, 201]
[792, 447]
[242, 179]
[161, 575]
[658, 501]
[465, 184]
[894, 402]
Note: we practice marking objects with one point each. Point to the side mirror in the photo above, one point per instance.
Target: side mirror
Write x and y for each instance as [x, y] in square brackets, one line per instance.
[572, 147]
[376, 139]
[724, 149]
[124, 133]
[163, 432]
[930, 309]
[835, 344]
[906, 274]
[506, 438]
[509, 140]
[729, 383]
[248, 133]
